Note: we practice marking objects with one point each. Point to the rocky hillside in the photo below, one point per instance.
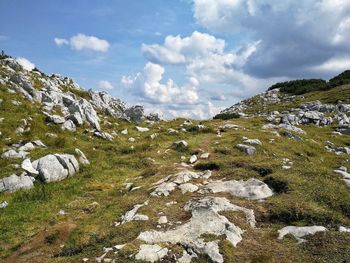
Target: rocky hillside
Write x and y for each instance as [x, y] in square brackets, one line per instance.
[85, 179]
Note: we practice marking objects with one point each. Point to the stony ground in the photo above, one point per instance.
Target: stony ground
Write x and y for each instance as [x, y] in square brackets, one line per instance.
[202, 200]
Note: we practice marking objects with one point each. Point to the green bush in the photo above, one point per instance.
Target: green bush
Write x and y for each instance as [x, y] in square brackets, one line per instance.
[226, 116]
[298, 87]
[341, 79]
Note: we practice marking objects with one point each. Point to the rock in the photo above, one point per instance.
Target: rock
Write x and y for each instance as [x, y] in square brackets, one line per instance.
[162, 220]
[205, 219]
[55, 119]
[86, 111]
[252, 189]
[39, 143]
[133, 215]
[104, 135]
[204, 156]
[69, 162]
[180, 144]
[56, 167]
[82, 157]
[13, 183]
[151, 253]
[343, 171]
[188, 187]
[193, 159]
[69, 126]
[250, 150]
[3, 204]
[12, 154]
[186, 258]
[125, 132]
[253, 141]
[142, 129]
[344, 229]
[299, 232]
[172, 131]
[131, 139]
[229, 126]
[284, 126]
[27, 166]
[27, 147]
[135, 113]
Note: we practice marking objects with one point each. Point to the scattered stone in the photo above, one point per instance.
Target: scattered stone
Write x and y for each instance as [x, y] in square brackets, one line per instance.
[69, 126]
[82, 157]
[162, 220]
[253, 189]
[193, 159]
[343, 171]
[12, 154]
[180, 144]
[344, 229]
[151, 253]
[131, 139]
[142, 129]
[125, 132]
[205, 219]
[204, 155]
[253, 141]
[3, 204]
[250, 150]
[299, 232]
[229, 126]
[132, 215]
[153, 136]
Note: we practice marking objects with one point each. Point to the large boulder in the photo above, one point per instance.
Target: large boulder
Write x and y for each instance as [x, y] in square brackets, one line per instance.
[135, 113]
[56, 167]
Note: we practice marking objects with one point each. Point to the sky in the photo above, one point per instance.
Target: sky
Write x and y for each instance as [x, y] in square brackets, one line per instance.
[179, 58]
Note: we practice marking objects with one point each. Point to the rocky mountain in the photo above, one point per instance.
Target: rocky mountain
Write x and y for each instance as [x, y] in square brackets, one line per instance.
[86, 179]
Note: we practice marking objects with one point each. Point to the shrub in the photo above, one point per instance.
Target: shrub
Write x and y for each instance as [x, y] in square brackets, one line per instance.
[226, 116]
[298, 87]
[207, 166]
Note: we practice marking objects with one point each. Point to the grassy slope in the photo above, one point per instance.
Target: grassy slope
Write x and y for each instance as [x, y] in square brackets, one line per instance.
[316, 195]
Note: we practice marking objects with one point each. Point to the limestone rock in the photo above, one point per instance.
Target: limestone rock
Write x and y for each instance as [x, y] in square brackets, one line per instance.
[27, 166]
[250, 150]
[142, 129]
[82, 157]
[251, 189]
[13, 183]
[299, 232]
[151, 253]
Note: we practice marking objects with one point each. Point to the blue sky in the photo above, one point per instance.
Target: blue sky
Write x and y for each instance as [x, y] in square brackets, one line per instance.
[180, 57]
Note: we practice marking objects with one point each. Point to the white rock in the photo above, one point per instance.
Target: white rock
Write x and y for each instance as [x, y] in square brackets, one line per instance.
[181, 143]
[12, 154]
[151, 253]
[253, 141]
[205, 219]
[253, 189]
[82, 157]
[142, 129]
[250, 150]
[4, 204]
[133, 215]
[13, 183]
[186, 258]
[344, 229]
[299, 232]
[131, 139]
[125, 132]
[204, 156]
[162, 220]
[193, 159]
[27, 166]
[188, 187]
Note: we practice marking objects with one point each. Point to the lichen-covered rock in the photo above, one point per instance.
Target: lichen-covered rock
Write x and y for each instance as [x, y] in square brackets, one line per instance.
[250, 150]
[299, 232]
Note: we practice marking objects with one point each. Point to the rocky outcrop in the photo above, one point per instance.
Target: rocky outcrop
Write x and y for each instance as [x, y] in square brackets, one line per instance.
[299, 232]
[205, 219]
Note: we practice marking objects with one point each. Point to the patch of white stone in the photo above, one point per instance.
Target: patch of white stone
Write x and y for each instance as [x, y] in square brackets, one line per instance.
[132, 215]
[299, 232]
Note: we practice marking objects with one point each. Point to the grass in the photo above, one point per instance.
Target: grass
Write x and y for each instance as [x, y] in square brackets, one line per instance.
[307, 194]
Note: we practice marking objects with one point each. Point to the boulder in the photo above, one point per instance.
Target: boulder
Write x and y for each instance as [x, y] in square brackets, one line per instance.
[135, 113]
[180, 144]
[13, 183]
[28, 167]
[12, 154]
[69, 126]
[250, 150]
[151, 253]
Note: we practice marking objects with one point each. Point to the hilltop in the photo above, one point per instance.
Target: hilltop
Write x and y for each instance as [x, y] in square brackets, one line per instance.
[86, 178]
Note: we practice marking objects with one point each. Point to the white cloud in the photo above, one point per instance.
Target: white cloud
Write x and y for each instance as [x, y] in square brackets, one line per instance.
[177, 50]
[296, 36]
[84, 42]
[105, 85]
[149, 84]
[25, 63]
[61, 41]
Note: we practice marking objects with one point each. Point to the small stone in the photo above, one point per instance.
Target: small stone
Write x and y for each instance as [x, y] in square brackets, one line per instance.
[162, 220]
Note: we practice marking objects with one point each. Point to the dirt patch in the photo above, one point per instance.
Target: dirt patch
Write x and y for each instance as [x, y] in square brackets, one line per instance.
[44, 245]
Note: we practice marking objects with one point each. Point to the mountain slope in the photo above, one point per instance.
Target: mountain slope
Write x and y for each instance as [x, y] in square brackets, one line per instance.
[146, 195]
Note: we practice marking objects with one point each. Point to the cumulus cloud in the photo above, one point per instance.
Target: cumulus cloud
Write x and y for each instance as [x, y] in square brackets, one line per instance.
[84, 42]
[150, 85]
[296, 36]
[105, 85]
[177, 50]
[25, 63]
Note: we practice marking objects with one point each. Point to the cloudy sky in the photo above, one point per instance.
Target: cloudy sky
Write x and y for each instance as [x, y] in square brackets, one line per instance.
[187, 58]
